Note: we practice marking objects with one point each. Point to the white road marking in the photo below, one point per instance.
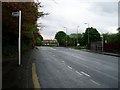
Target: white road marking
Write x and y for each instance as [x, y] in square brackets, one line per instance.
[63, 61]
[69, 67]
[94, 82]
[78, 72]
[53, 49]
[86, 74]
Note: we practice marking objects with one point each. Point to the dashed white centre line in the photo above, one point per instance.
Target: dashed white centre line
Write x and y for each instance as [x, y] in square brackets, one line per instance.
[86, 74]
[94, 82]
[78, 72]
[63, 61]
[53, 49]
[69, 67]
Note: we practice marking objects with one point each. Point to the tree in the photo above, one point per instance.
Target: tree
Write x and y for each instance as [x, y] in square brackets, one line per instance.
[112, 38]
[30, 15]
[61, 38]
[94, 35]
[39, 40]
[118, 29]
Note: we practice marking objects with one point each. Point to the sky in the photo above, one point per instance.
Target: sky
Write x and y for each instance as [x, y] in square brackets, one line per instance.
[70, 15]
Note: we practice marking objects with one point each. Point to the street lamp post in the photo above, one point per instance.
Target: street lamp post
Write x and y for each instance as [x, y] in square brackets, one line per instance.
[88, 33]
[77, 35]
[66, 36]
[102, 43]
[19, 38]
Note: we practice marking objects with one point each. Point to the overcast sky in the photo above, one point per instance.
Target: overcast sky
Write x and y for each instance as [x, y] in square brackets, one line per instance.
[102, 15]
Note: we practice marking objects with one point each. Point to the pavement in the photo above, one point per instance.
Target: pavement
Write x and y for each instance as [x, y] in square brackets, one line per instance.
[15, 76]
[105, 53]
[60, 67]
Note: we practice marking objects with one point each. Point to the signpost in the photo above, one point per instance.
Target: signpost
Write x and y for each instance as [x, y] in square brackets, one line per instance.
[16, 14]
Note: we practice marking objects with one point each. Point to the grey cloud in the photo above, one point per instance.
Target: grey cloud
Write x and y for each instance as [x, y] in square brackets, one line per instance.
[105, 7]
[95, 12]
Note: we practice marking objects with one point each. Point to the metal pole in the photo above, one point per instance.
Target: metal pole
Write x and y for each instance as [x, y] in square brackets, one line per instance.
[77, 35]
[19, 39]
[88, 36]
[88, 33]
[102, 43]
[66, 36]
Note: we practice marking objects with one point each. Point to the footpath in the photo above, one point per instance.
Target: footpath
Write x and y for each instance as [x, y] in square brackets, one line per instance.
[105, 53]
[15, 76]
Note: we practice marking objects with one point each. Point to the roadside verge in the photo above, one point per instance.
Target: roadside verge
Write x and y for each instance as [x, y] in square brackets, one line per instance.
[105, 53]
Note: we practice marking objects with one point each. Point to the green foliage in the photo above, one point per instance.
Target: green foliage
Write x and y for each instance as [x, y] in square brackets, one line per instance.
[112, 38]
[61, 38]
[39, 40]
[118, 29]
[80, 47]
[82, 38]
[94, 35]
[10, 23]
[76, 37]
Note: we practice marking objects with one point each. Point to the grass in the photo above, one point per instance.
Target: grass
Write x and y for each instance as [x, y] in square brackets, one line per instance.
[80, 47]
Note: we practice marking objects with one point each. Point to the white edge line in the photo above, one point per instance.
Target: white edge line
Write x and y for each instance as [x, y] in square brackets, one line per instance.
[86, 74]
[94, 82]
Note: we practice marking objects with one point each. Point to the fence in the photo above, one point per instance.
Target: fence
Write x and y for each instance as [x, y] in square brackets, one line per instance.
[107, 47]
[112, 47]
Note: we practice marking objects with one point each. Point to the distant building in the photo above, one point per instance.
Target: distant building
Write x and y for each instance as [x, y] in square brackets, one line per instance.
[49, 42]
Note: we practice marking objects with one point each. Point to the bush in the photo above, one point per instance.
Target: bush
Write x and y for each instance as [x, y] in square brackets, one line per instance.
[38, 42]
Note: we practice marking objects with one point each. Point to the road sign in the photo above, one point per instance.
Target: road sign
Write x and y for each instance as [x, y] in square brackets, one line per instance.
[78, 44]
[15, 14]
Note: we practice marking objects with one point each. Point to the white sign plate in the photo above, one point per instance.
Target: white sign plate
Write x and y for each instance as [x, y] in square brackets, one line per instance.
[15, 14]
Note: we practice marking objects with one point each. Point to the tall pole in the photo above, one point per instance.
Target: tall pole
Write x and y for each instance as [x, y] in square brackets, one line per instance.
[102, 43]
[88, 33]
[19, 39]
[66, 36]
[77, 35]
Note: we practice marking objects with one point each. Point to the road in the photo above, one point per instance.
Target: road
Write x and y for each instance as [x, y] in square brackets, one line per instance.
[60, 67]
